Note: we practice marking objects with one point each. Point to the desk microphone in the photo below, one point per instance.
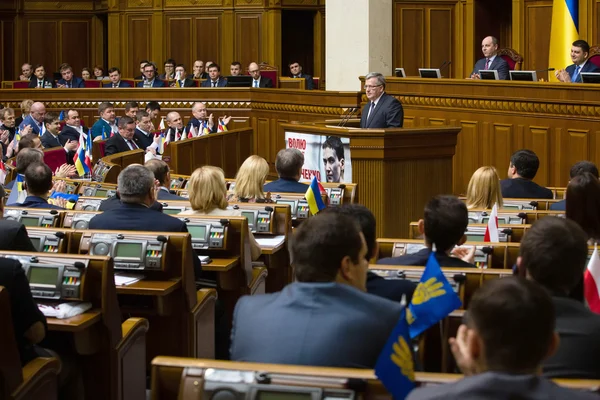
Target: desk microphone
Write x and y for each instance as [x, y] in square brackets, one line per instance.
[545, 70]
[445, 65]
[344, 116]
[345, 121]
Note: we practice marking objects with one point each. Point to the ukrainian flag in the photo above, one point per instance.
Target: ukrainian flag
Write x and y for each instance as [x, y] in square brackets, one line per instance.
[313, 196]
[564, 31]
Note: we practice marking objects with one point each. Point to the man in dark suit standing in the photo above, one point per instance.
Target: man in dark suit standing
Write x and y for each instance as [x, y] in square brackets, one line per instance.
[114, 74]
[258, 81]
[382, 110]
[181, 79]
[580, 50]
[288, 164]
[523, 166]
[150, 79]
[162, 174]
[72, 128]
[68, 80]
[491, 61]
[39, 79]
[215, 78]
[577, 169]
[122, 141]
[53, 138]
[13, 235]
[296, 72]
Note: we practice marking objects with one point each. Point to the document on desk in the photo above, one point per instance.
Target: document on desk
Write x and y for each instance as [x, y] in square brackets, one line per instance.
[124, 278]
[64, 310]
[272, 241]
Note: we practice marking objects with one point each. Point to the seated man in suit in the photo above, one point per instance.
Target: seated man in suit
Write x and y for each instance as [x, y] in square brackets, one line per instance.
[153, 109]
[175, 124]
[136, 189]
[199, 72]
[131, 109]
[114, 74]
[142, 64]
[490, 60]
[577, 169]
[296, 72]
[215, 78]
[235, 69]
[122, 141]
[444, 224]
[143, 135]
[35, 119]
[169, 67]
[258, 81]
[181, 78]
[106, 125]
[200, 120]
[382, 110]
[523, 166]
[150, 79]
[392, 289]
[25, 157]
[13, 235]
[26, 72]
[68, 80]
[162, 174]
[580, 51]
[325, 318]
[52, 138]
[39, 79]
[72, 128]
[38, 183]
[288, 164]
[554, 254]
[509, 331]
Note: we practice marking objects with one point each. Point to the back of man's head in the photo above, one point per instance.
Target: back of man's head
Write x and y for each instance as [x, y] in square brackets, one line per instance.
[526, 163]
[38, 178]
[445, 222]
[135, 183]
[514, 319]
[288, 163]
[28, 156]
[583, 166]
[554, 253]
[365, 219]
[160, 169]
[321, 243]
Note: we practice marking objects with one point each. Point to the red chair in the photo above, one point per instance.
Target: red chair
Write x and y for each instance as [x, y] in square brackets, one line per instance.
[514, 59]
[130, 81]
[316, 82]
[20, 84]
[92, 83]
[594, 56]
[55, 157]
[102, 147]
[269, 71]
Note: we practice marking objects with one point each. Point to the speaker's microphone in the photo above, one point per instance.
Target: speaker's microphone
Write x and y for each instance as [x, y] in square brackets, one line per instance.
[349, 116]
[545, 70]
[344, 117]
[445, 65]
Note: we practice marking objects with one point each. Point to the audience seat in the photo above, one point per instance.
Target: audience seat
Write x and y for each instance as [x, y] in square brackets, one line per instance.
[514, 59]
[316, 82]
[92, 83]
[594, 56]
[270, 71]
[20, 85]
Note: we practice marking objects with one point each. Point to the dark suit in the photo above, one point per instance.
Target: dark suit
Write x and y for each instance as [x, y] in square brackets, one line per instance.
[49, 141]
[521, 188]
[203, 75]
[115, 202]
[196, 124]
[36, 202]
[36, 127]
[501, 386]
[391, 289]
[75, 83]
[156, 83]
[222, 82]
[318, 324]
[499, 64]
[309, 80]
[141, 139]
[388, 113]
[264, 82]
[33, 83]
[115, 144]
[285, 185]
[121, 84]
[166, 195]
[13, 236]
[187, 82]
[559, 206]
[69, 133]
[421, 257]
[587, 67]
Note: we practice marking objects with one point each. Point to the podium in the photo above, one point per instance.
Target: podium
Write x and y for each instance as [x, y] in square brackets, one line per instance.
[396, 170]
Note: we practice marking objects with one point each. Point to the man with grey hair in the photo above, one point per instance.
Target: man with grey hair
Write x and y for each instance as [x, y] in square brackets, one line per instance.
[288, 164]
[382, 110]
[490, 60]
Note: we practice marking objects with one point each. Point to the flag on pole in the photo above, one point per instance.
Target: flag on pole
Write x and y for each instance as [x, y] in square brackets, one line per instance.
[222, 127]
[591, 282]
[313, 197]
[2, 173]
[563, 32]
[205, 130]
[82, 161]
[104, 137]
[61, 116]
[161, 126]
[88, 144]
[193, 132]
[491, 231]
[162, 143]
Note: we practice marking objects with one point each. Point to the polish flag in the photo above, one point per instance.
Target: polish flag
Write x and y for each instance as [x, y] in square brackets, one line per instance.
[491, 232]
[591, 282]
[2, 173]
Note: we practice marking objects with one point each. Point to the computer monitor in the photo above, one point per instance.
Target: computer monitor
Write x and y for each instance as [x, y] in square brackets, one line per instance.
[430, 73]
[528, 76]
[239, 81]
[399, 73]
[488, 74]
[590, 77]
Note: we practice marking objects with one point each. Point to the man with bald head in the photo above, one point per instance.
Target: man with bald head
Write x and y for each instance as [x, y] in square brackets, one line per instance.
[491, 61]
[258, 81]
[26, 72]
[175, 124]
[35, 119]
[201, 118]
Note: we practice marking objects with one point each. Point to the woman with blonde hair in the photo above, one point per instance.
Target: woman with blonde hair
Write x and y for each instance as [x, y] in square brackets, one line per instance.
[208, 191]
[25, 107]
[250, 180]
[484, 189]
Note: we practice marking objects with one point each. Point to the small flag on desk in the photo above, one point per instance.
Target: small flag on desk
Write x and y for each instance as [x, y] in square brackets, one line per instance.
[222, 127]
[2, 173]
[104, 136]
[395, 366]
[61, 116]
[162, 143]
[192, 133]
[88, 144]
[313, 197]
[491, 231]
[18, 193]
[17, 136]
[591, 282]
[433, 300]
[205, 130]
[82, 161]
[161, 126]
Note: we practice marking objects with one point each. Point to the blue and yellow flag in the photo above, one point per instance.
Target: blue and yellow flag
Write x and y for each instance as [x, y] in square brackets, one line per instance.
[313, 197]
[18, 193]
[395, 367]
[433, 299]
[104, 135]
[61, 116]
[564, 31]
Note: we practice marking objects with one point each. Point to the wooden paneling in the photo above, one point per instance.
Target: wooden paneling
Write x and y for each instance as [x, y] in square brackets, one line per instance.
[208, 43]
[75, 42]
[410, 53]
[538, 17]
[42, 42]
[8, 69]
[248, 41]
[139, 30]
[179, 40]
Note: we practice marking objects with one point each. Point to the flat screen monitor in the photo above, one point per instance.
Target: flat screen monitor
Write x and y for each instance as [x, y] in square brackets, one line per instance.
[197, 231]
[475, 238]
[101, 192]
[250, 216]
[488, 74]
[399, 72]
[528, 76]
[172, 211]
[239, 81]
[46, 276]
[30, 221]
[430, 73]
[36, 242]
[291, 203]
[128, 250]
[590, 77]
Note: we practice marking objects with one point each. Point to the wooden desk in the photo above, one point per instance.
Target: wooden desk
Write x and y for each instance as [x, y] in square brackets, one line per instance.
[150, 288]
[270, 250]
[75, 324]
[221, 264]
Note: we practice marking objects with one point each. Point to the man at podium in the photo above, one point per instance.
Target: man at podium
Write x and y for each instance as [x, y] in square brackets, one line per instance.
[382, 110]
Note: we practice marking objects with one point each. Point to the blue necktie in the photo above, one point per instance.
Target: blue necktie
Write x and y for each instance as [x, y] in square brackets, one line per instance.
[576, 73]
[255, 83]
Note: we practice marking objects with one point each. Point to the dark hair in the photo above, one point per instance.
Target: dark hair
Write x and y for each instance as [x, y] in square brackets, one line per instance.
[150, 63]
[446, 219]
[320, 244]
[215, 65]
[38, 66]
[28, 156]
[180, 65]
[293, 62]
[159, 168]
[515, 319]
[239, 64]
[526, 162]
[144, 62]
[28, 141]
[364, 218]
[152, 106]
[100, 67]
[583, 203]
[124, 121]
[288, 163]
[335, 143]
[170, 61]
[50, 118]
[583, 45]
[131, 104]
[554, 253]
[583, 166]
[65, 67]
[141, 114]
[38, 177]
[114, 69]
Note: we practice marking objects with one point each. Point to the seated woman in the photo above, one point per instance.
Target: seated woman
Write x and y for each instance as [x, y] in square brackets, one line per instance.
[249, 182]
[86, 74]
[208, 193]
[484, 189]
[583, 204]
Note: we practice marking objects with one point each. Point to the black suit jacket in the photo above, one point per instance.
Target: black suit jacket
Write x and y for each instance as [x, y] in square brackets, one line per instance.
[33, 82]
[391, 289]
[499, 64]
[166, 195]
[75, 82]
[222, 82]
[196, 124]
[388, 113]
[49, 141]
[309, 81]
[187, 82]
[141, 139]
[520, 188]
[420, 258]
[115, 144]
[68, 133]
[265, 82]
[121, 84]
[13, 236]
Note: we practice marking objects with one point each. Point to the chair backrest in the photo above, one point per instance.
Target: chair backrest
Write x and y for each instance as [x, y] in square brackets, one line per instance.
[130, 81]
[270, 71]
[514, 59]
[11, 374]
[54, 157]
[20, 84]
[92, 83]
[594, 56]
[316, 82]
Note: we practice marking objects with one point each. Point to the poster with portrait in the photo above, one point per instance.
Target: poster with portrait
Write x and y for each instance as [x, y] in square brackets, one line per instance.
[326, 157]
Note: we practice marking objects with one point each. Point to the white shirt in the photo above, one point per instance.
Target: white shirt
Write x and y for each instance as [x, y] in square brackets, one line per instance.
[374, 106]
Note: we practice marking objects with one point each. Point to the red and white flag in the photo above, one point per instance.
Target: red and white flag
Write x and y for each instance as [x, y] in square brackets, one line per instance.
[591, 282]
[2, 173]
[491, 231]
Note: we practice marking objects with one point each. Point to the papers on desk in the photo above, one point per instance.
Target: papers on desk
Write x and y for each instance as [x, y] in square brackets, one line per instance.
[273, 241]
[124, 278]
[204, 260]
[64, 310]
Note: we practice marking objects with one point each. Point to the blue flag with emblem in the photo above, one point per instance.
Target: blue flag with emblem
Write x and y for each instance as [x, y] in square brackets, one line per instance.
[433, 300]
[61, 116]
[395, 366]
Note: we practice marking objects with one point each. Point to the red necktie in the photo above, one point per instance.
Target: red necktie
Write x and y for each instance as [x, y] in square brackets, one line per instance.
[487, 63]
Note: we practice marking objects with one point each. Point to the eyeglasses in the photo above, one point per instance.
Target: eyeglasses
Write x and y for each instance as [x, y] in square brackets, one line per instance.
[367, 87]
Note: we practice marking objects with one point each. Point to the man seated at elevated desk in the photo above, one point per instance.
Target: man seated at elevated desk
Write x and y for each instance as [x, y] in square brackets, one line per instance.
[522, 168]
[325, 318]
[288, 164]
[162, 174]
[580, 51]
[122, 141]
[490, 60]
[382, 110]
